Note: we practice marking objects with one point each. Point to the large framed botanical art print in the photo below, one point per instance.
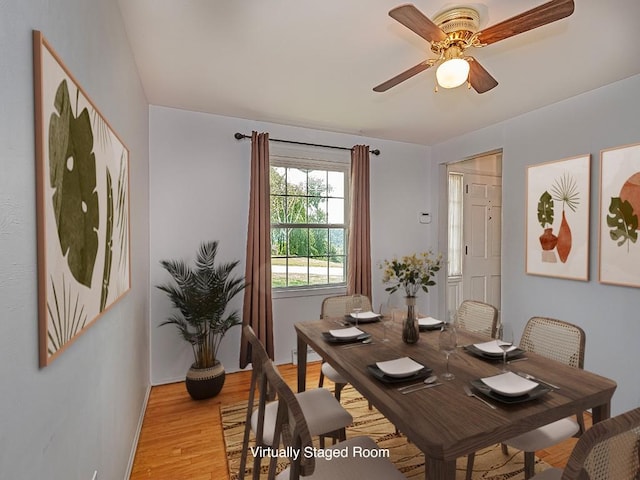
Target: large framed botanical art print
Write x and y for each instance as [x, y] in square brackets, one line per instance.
[82, 202]
[619, 249]
[557, 218]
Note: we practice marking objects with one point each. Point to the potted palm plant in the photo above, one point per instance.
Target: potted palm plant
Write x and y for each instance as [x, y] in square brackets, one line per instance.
[201, 294]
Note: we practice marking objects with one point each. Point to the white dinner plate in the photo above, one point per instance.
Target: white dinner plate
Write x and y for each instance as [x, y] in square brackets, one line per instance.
[366, 315]
[509, 384]
[346, 333]
[429, 322]
[492, 347]
[400, 367]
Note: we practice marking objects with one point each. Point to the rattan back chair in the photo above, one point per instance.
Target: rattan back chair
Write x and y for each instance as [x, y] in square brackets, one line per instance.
[610, 450]
[555, 339]
[340, 305]
[478, 317]
[564, 342]
[337, 307]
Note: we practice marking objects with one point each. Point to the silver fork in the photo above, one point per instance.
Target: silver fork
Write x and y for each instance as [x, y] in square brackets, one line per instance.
[469, 393]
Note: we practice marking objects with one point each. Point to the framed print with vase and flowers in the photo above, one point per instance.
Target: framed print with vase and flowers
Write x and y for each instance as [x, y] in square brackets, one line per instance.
[557, 218]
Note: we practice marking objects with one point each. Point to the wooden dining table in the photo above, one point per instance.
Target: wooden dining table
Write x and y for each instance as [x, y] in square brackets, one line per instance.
[444, 422]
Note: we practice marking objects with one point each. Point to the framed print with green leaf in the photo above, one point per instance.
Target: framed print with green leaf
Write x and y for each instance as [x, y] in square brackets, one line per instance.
[82, 202]
[619, 249]
[557, 218]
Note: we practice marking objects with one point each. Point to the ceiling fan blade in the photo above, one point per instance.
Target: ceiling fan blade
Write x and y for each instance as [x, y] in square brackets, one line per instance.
[407, 74]
[480, 79]
[536, 17]
[412, 18]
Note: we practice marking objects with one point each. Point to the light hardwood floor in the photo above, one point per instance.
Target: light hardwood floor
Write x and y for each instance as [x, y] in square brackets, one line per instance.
[182, 439]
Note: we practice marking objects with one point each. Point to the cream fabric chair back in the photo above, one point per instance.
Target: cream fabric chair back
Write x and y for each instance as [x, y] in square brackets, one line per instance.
[478, 317]
[555, 339]
[340, 305]
[609, 450]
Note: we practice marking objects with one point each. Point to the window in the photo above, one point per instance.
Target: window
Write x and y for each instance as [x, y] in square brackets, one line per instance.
[455, 224]
[309, 212]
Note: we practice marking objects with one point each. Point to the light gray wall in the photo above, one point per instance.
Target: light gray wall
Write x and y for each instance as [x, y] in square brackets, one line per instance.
[585, 124]
[80, 413]
[200, 191]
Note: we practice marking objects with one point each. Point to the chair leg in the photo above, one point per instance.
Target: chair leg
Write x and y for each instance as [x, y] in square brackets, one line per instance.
[529, 464]
[580, 419]
[339, 387]
[505, 449]
[336, 436]
[470, 459]
[321, 379]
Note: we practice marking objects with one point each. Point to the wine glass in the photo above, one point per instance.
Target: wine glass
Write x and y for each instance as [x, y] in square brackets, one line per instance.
[386, 317]
[452, 316]
[447, 344]
[356, 306]
[505, 342]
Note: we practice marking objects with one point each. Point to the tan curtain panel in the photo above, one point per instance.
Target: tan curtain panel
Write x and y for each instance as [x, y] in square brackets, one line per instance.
[359, 253]
[257, 311]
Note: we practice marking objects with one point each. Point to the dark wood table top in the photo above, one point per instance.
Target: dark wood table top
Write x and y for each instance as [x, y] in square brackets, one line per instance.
[443, 421]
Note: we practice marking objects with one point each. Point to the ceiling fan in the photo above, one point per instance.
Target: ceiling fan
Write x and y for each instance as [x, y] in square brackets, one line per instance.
[457, 29]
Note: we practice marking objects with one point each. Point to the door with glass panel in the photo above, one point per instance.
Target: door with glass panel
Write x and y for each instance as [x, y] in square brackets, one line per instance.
[474, 230]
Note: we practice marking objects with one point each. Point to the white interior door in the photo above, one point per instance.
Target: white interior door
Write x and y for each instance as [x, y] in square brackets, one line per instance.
[482, 226]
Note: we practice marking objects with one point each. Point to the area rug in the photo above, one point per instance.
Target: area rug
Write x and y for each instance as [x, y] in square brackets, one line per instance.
[490, 463]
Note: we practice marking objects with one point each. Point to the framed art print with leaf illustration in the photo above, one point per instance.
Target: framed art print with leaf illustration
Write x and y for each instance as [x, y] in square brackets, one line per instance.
[557, 218]
[82, 202]
[619, 249]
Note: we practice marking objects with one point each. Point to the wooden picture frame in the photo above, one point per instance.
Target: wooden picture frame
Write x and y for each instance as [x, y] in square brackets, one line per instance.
[557, 218]
[619, 248]
[82, 203]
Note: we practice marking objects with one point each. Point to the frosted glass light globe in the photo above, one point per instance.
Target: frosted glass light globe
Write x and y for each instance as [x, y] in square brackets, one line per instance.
[452, 73]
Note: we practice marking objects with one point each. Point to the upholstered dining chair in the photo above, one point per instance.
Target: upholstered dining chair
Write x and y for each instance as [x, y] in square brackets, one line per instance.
[607, 451]
[337, 307]
[325, 416]
[563, 342]
[292, 434]
[478, 317]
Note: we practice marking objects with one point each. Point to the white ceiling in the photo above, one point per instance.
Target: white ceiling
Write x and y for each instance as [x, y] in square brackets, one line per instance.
[314, 63]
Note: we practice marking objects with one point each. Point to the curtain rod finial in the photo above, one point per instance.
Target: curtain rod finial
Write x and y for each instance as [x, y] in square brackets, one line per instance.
[375, 152]
[239, 136]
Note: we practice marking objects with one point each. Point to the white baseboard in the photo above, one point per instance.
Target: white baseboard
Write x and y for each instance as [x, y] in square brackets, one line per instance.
[134, 446]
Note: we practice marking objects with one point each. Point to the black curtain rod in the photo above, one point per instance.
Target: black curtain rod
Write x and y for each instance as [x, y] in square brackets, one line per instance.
[240, 136]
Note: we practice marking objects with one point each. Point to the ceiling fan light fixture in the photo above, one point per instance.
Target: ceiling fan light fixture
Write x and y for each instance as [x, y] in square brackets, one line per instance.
[452, 73]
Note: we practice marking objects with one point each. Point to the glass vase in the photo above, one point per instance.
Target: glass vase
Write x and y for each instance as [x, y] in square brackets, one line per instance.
[410, 332]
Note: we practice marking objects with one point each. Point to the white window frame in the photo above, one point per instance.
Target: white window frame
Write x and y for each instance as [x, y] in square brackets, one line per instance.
[305, 159]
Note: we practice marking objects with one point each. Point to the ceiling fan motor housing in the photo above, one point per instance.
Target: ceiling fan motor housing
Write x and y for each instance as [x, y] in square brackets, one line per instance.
[459, 24]
[458, 19]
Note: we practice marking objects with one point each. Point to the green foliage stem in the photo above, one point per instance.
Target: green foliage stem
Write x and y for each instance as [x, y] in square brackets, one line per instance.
[108, 247]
